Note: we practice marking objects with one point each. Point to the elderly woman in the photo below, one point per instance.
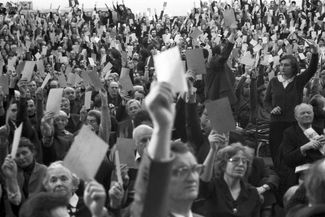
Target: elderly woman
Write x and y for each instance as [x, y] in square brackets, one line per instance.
[284, 92]
[56, 139]
[23, 176]
[227, 193]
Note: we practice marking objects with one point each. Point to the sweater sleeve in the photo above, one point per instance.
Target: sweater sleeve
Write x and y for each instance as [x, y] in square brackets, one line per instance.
[304, 77]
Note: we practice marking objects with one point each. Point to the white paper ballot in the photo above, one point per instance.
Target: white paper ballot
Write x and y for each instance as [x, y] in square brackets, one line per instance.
[87, 99]
[15, 142]
[91, 61]
[53, 103]
[46, 80]
[86, 154]
[170, 69]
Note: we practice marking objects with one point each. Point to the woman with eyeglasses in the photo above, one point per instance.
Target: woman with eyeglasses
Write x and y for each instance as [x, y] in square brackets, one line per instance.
[227, 193]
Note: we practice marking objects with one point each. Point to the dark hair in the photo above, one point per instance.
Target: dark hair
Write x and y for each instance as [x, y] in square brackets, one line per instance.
[140, 117]
[315, 183]
[25, 142]
[42, 204]
[96, 114]
[294, 63]
[179, 147]
[317, 101]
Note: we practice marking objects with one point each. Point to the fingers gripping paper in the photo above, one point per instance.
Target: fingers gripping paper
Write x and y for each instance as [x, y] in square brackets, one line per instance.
[170, 69]
[220, 115]
[86, 154]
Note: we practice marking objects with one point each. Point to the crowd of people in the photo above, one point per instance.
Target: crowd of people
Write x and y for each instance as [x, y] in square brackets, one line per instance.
[265, 57]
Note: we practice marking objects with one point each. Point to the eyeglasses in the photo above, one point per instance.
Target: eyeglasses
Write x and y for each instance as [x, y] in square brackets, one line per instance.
[236, 160]
[183, 172]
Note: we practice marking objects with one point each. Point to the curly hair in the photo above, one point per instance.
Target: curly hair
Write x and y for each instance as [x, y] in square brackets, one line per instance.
[225, 154]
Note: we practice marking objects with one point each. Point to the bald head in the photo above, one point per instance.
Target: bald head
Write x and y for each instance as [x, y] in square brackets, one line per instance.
[142, 135]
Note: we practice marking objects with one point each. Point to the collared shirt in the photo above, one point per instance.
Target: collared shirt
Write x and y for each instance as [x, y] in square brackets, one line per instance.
[284, 81]
[190, 214]
[73, 204]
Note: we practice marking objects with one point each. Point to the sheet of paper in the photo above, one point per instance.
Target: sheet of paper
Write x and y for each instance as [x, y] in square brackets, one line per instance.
[220, 115]
[91, 62]
[62, 80]
[126, 149]
[16, 140]
[87, 99]
[46, 80]
[195, 61]
[54, 100]
[86, 154]
[118, 167]
[229, 17]
[169, 68]
[94, 80]
[4, 83]
[253, 42]
[196, 33]
[28, 70]
[125, 80]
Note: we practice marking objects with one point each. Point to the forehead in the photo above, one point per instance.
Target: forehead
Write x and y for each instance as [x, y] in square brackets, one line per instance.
[184, 159]
[59, 171]
[30, 102]
[144, 132]
[304, 108]
[113, 84]
[239, 154]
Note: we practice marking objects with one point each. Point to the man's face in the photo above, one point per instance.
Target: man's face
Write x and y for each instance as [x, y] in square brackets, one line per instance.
[54, 84]
[13, 112]
[24, 157]
[142, 139]
[70, 94]
[60, 181]
[305, 115]
[113, 88]
[133, 109]
[32, 86]
[92, 122]
[65, 106]
[31, 107]
[205, 122]
[184, 183]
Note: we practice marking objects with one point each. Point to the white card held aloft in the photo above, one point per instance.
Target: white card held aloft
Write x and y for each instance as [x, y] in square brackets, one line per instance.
[16, 140]
[170, 69]
[86, 154]
[53, 104]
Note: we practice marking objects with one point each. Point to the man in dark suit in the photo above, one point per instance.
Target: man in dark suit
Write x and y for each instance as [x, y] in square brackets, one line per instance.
[219, 78]
[301, 144]
[74, 122]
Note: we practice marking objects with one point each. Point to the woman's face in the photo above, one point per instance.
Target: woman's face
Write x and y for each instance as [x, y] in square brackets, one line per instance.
[61, 122]
[24, 157]
[237, 165]
[286, 68]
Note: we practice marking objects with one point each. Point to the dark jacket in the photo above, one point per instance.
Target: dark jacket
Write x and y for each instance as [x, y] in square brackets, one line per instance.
[219, 78]
[287, 98]
[219, 201]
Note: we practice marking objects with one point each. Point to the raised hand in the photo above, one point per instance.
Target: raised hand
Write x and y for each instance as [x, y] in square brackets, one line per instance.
[159, 104]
